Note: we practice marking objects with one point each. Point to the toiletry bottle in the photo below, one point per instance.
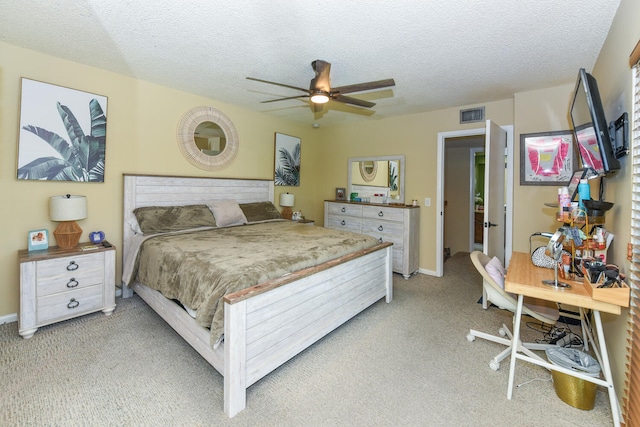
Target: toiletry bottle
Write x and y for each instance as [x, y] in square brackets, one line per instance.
[584, 192]
[564, 200]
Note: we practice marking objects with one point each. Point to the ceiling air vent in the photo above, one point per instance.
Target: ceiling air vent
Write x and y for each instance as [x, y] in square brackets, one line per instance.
[472, 115]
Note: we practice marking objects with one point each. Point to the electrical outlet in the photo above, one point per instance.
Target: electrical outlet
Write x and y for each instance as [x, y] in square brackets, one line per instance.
[427, 201]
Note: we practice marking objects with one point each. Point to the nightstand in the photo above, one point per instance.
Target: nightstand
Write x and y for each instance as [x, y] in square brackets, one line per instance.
[59, 284]
[307, 221]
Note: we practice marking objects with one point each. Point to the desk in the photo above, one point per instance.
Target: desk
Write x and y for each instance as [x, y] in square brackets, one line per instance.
[525, 279]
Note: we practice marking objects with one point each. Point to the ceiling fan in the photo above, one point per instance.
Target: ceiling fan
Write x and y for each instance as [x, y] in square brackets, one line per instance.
[320, 90]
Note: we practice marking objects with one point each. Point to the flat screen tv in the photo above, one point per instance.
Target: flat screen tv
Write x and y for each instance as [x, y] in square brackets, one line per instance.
[590, 127]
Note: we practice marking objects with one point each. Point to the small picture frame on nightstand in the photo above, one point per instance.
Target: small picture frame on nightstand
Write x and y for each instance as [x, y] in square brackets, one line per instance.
[38, 240]
[341, 194]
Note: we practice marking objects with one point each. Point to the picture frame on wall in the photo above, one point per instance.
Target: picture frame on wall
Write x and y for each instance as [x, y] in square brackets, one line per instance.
[287, 160]
[57, 123]
[341, 194]
[547, 158]
[38, 240]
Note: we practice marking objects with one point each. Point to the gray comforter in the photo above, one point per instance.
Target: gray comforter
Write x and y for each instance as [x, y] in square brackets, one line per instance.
[199, 268]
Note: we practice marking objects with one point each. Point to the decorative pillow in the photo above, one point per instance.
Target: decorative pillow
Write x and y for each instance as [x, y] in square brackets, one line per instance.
[260, 211]
[496, 271]
[133, 224]
[162, 219]
[227, 212]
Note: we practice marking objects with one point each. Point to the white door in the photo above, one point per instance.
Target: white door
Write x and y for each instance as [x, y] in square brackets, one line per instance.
[494, 194]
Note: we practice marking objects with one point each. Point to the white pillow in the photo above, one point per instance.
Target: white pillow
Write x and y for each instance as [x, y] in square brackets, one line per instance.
[496, 271]
[135, 227]
[227, 212]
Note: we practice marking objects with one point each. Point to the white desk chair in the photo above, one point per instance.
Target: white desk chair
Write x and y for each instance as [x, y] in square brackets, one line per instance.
[544, 311]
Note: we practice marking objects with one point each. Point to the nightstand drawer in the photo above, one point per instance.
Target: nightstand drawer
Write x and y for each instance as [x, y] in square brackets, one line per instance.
[58, 284]
[63, 274]
[69, 304]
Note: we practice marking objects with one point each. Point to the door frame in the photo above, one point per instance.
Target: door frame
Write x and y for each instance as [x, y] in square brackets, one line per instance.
[442, 137]
[472, 184]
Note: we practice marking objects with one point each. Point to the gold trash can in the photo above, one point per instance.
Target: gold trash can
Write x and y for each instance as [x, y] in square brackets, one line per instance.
[574, 391]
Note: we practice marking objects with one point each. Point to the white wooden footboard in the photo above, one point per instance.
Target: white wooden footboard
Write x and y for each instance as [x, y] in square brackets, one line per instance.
[265, 330]
[267, 324]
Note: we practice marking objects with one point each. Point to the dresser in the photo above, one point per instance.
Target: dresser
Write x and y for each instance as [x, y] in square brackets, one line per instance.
[399, 224]
[59, 284]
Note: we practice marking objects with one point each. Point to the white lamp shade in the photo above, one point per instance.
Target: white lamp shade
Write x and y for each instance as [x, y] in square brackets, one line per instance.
[287, 199]
[67, 208]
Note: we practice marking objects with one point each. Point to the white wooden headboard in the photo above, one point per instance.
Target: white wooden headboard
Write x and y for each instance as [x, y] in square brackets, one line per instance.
[156, 190]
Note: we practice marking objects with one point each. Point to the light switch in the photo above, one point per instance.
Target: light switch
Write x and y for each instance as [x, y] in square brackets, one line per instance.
[427, 201]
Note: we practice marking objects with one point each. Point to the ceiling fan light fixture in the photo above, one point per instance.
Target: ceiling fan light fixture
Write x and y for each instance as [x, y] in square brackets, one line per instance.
[319, 97]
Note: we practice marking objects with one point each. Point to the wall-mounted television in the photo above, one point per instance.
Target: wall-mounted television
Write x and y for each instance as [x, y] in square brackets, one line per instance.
[590, 127]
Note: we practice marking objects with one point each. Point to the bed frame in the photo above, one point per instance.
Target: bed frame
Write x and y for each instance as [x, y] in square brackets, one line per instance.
[269, 323]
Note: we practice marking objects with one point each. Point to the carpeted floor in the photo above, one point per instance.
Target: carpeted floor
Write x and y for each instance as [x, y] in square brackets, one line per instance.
[407, 363]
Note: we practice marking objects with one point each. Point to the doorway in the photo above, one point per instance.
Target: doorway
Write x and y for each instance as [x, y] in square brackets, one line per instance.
[471, 138]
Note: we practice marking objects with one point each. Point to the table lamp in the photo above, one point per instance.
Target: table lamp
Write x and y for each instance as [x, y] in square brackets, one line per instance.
[287, 201]
[67, 209]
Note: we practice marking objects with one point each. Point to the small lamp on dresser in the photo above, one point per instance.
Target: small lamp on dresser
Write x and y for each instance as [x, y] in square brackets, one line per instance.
[67, 210]
[287, 201]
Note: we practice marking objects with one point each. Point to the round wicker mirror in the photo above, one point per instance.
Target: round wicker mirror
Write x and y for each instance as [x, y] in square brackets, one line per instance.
[190, 127]
[368, 170]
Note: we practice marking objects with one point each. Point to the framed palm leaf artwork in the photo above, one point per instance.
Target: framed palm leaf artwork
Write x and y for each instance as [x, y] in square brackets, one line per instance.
[62, 133]
[287, 160]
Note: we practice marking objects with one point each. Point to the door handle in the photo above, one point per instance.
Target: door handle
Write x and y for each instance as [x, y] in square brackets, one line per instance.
[489, 224]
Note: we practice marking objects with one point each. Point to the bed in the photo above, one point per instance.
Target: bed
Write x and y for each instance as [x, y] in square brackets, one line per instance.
[294, 309]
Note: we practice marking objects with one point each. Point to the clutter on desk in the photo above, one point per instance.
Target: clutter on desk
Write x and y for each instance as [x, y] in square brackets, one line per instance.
[604, 282]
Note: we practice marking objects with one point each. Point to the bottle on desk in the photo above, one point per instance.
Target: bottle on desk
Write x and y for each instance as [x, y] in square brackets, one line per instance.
[584, 192]
[564, 200]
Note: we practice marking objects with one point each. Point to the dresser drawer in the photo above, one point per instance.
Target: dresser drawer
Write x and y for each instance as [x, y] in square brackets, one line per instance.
[389, 214]
[69, 304]
[345, 209]
[63, 274]
[343, 222]
[385, 227]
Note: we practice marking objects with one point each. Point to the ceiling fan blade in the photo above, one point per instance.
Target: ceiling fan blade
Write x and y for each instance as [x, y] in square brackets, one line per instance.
[354, 101]
[321, 81]
[284, 99]
[277, 84]
[359, 87]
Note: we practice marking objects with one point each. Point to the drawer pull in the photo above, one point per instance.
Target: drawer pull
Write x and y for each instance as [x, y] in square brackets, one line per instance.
[72, 266]
[343, 209]
[380, 240]
[380, 228]
[343, 222]
[73, 303]
[72, 283]
[380, 214]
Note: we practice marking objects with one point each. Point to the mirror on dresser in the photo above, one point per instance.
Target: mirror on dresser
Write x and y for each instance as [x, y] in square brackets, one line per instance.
[377, 179]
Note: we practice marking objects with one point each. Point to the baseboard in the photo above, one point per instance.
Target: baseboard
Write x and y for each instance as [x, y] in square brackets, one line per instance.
[427, 272]
[9, 318]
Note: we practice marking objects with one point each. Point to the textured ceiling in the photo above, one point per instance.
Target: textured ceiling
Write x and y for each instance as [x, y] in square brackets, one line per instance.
[441, 53]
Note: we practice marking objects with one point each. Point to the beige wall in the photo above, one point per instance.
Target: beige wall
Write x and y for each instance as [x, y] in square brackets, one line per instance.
[544, 110]
[141, 128]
